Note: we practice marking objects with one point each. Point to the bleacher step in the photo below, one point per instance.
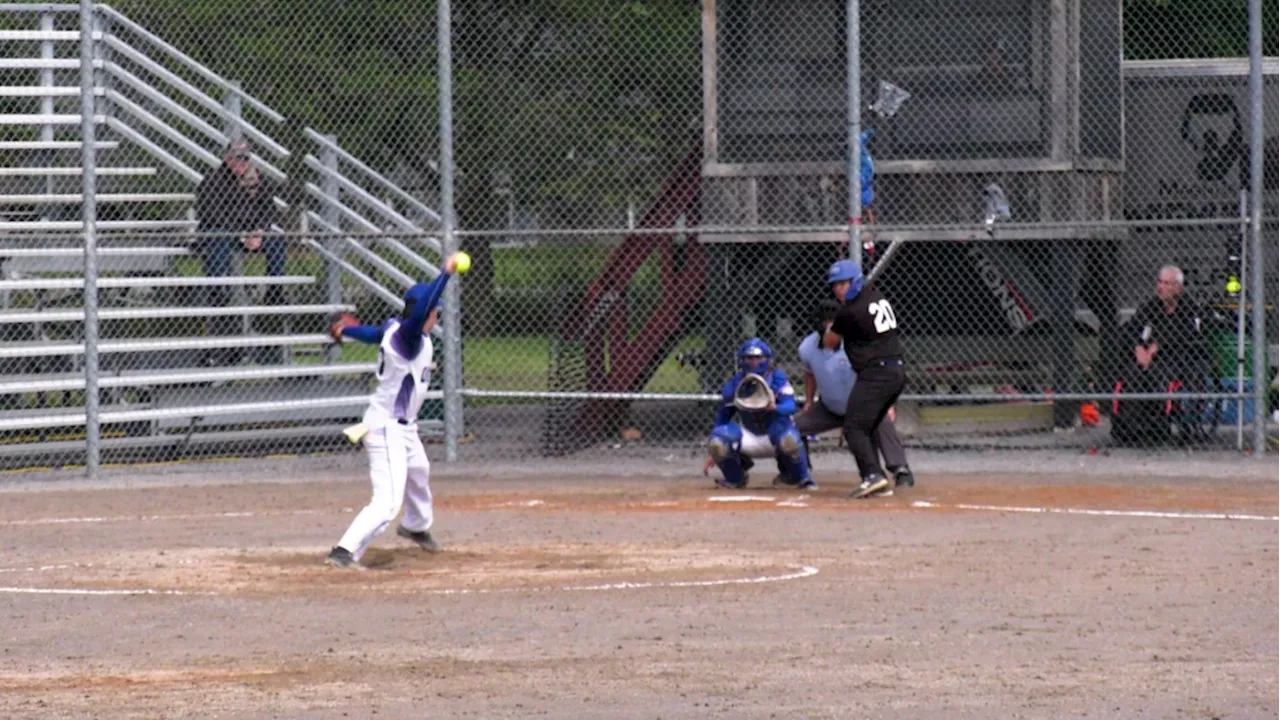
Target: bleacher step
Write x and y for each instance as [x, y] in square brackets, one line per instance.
[164, 313]
[43, 349]
[75, 381]
[154, 282]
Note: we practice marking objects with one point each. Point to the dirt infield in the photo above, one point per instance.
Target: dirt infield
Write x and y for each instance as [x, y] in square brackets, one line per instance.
[969, 596]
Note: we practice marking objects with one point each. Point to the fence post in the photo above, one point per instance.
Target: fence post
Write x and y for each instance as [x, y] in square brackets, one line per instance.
[452, 331]
[89, 212]
[853, 161]
[46, 107]
[1258, 290]
[233, 101]
[329, 184]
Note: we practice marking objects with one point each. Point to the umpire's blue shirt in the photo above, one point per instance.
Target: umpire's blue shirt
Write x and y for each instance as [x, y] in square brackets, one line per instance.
[830, 368]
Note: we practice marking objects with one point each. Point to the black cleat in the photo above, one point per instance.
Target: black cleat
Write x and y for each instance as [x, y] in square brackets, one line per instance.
[421, 539]
[904, 479]
[342, 558]
[808, 484]
[784, 479]
[873, 486]
[722, 483]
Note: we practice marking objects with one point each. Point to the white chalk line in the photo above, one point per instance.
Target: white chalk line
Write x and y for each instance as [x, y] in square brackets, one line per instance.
[45, 568]
[520, 503]
[803, 571]
[88, 592]
[1104, 513]
[98, 519]
[143, 518]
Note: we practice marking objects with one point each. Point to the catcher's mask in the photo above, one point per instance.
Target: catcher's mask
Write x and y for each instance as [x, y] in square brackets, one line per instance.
[754, 356]
[753, 393]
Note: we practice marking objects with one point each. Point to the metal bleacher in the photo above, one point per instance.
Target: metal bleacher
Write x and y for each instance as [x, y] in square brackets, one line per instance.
[161, 126]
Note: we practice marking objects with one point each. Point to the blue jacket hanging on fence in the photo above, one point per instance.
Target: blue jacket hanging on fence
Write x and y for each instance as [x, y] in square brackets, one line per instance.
[866, 170]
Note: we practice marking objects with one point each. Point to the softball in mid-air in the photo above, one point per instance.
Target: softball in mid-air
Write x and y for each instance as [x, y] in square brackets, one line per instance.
[463, 263]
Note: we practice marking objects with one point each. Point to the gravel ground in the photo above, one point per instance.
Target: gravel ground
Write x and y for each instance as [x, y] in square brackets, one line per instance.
[632, 589]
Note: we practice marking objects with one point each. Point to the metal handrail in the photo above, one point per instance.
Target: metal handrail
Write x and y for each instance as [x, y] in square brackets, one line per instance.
[163, 128]
[355, 272]
[388, 242]
[150, 93]
[164, 156]
[378, 262]
[361, 194]
[189, 62]
[354, 162]
[194, 93]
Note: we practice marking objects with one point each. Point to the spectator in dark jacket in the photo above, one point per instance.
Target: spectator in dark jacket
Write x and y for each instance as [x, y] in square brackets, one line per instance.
[237, 204]
[1169, 352]
[1168, 333]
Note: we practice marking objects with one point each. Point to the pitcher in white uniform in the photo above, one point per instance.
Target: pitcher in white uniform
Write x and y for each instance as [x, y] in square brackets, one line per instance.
[398, 465]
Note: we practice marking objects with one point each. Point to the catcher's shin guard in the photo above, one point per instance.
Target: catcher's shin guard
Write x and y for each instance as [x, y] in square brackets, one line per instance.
[793, 456]
[725, 448]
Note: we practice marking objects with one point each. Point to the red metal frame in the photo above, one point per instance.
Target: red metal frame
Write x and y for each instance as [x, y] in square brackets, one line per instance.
[614, 362]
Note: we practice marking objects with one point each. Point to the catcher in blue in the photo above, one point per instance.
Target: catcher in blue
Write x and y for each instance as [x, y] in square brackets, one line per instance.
[764, 400]
[398, 465]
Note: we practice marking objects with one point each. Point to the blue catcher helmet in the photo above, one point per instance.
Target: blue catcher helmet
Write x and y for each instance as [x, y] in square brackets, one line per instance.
[751, 349]
[842, 270]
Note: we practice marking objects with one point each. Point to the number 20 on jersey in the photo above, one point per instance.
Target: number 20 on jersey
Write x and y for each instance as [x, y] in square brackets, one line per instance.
[883, 314]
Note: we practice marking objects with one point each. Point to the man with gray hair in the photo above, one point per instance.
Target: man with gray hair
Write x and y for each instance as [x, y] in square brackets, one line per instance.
[1167, 336]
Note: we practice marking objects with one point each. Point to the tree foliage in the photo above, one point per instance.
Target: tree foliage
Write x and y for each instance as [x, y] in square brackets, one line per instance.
[1160, 29]
[573, 105]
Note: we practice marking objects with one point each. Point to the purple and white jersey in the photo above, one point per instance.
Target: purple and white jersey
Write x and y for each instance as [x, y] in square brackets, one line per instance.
[402, 382]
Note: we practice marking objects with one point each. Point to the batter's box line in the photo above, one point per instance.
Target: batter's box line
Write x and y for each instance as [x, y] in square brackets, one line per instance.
[1104, 513]
[147, 518]
[108, 592]
[800, 572]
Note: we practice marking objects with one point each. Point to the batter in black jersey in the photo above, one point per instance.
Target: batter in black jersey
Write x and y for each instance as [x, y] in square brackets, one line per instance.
[869, 329]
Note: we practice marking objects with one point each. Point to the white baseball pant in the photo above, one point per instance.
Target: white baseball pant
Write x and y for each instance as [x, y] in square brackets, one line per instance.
[401, 476]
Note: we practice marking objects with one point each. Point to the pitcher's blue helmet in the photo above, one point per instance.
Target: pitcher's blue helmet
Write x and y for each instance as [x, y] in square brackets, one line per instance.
[842, 270]
[413, 296]
[754, 348]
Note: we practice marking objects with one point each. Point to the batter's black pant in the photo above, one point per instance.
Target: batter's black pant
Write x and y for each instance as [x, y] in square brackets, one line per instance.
[876, 391]
[818, 419]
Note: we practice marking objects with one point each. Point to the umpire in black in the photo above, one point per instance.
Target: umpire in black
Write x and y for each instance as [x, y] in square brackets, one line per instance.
[869, 329]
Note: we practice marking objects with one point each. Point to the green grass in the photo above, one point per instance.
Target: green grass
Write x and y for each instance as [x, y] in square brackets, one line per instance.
[522, 363]
[507, 362]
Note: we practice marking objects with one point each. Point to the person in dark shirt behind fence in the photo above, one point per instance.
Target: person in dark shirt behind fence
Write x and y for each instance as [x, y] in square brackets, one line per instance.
[235, 206]
[1166, 341]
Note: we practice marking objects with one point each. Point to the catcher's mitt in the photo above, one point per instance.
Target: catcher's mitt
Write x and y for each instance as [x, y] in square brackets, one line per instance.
[753, 394]
[340, 320]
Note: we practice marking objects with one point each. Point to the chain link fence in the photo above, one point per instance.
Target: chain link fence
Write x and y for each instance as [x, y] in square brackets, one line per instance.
[641, 186]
